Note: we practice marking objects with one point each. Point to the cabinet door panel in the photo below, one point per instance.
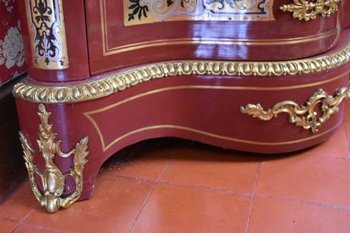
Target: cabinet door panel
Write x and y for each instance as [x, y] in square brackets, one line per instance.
[125, 33]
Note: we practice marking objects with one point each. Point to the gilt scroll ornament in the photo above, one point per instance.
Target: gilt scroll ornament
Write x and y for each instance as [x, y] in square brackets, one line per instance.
[150, 11]
[306, 115]
[47, 34]
[309, 10]
[52, 179]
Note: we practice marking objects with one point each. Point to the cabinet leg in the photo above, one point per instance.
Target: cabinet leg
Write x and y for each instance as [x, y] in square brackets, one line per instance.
[48, 182]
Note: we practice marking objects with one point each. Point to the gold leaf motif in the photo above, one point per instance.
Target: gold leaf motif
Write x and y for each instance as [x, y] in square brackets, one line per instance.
[306, 115]
[309, 10]
[120, 81]
[52, 178]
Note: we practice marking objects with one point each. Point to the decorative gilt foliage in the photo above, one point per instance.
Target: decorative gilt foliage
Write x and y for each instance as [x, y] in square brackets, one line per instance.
[306, 115]
[52, 178]
[308, 10]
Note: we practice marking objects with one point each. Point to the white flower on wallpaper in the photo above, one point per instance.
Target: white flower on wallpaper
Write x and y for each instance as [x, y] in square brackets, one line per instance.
[11, 49]
[8, 4]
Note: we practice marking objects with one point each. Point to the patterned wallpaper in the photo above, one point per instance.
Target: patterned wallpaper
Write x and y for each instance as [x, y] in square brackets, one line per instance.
[12, 60]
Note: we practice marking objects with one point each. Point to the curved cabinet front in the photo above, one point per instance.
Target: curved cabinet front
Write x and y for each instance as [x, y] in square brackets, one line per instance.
[154, 30]
[260, 76]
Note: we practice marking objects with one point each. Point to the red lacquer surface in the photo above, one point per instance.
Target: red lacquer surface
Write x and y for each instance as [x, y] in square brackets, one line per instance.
[181, 107]
[204, 109]
[200, 108]
[281, 39]
[346, 13]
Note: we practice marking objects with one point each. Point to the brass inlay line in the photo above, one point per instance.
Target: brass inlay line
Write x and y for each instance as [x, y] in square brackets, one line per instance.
[90, 114]
[209, 134]
[207, 87]
[209, 41]
[218, 41]
[104, 30]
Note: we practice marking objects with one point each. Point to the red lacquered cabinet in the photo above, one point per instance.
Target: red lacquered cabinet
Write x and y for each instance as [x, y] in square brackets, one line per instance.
[265, 76]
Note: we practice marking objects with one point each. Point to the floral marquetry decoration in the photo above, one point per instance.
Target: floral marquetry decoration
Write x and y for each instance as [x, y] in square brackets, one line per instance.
[150, 11]
[47, 33]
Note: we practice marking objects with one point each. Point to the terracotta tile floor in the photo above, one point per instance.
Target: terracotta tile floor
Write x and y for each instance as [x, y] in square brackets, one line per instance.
[173, 185]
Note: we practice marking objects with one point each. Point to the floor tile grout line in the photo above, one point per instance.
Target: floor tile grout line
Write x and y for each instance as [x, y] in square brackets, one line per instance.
[131, 229]
[192, 186]
[306, 202]
[46, 228]
[206, 188]
[8, 219]
[342, 158]
[147, 198]
[22, 221]
[141, 179]
[166, 167]
[252, 198]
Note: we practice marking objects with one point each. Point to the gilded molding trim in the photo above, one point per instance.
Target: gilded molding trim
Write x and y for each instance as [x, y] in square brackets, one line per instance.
[306, 115]
[52, 178]
[309, 10]
[120, 81]
[47, 34]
